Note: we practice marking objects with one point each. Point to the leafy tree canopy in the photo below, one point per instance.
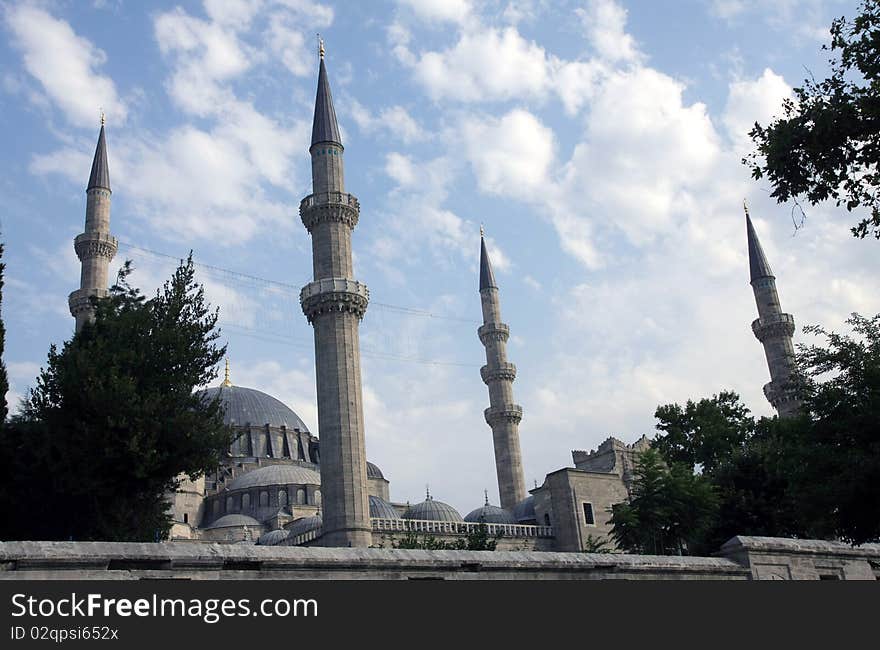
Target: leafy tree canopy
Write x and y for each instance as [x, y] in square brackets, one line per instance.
[827, 143]
[113, 419]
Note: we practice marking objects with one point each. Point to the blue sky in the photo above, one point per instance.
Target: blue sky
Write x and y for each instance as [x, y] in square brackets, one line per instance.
[598, 141]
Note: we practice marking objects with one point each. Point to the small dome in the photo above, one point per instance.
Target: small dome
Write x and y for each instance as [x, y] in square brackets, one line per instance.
[524, 511]
[431, 510]
[235, 520]
[381, 509]
[276, 475]
[273, 537]
[373, 471]
[490, 514]
[249, 406]
[304, 525]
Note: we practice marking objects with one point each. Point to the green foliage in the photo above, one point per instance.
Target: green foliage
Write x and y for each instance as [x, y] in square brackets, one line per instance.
[597, 544]
[113, 419]
[477, 539]
[670, 510]
[827, 144]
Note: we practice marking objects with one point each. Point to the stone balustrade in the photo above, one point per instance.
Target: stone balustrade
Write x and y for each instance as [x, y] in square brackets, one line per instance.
[95, 244]
[773, 326]
[329, 207]
[493, 332]
[334, 295]
[512, 412]
[457, 528]
[500, 372]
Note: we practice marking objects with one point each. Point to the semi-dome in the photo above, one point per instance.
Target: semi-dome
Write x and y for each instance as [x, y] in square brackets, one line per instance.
[276, 475]
[304, 525]
[373, 471]
[381, 509]
[431, 510]
[490, 514]
[273, 537]
[235, 520]
[249, 406]
[524, 511]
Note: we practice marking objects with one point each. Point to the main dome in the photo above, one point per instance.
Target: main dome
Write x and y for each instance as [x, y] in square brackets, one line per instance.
[276, 475]
[249, 406]
[430, 510]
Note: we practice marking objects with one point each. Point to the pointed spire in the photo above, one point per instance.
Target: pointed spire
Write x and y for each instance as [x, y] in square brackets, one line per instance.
[758, 265]
[486, 492]
[324, 126]
[487, 277]
[100, 176]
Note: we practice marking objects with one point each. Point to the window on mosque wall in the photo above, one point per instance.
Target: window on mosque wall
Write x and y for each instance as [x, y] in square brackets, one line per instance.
[245, 501]
[300, 496]
[317, 497]
[589, 519]
[228, 504]
[282, 497]
[264, 499]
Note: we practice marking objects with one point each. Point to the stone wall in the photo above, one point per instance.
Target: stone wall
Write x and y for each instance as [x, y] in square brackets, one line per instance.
[744, 558]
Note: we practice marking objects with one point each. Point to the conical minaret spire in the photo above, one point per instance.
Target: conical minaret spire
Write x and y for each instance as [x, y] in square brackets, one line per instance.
[334, 304]
[503, 415]
[95, 247]
[773, 328]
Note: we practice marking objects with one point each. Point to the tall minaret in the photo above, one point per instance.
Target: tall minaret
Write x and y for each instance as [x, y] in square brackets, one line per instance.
[773, 328]
[335, 304]
[503, 415]
[96, 246]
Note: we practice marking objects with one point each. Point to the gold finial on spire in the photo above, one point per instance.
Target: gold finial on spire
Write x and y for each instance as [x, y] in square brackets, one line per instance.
[226, 381]
[482, 232]
[486, 492]
[746, 207]
[427, 492]
[320, 46]
[103, 119]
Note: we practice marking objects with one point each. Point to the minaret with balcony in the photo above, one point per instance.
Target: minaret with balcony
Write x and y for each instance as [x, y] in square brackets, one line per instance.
[503, 415]
[773, 328]
[96, 246]
[334, 304]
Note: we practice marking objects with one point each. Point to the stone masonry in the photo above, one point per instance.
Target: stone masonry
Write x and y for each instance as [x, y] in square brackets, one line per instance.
[96, 246]
[773, 328]
[503, 415]
[334, 304]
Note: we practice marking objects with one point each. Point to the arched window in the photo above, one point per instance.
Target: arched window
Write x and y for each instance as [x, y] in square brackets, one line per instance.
[546, 519]
[245, 501]
[317, 497]
[228, 504]
[300, 496]
[282, 498]
[185, 518]
[264, 499]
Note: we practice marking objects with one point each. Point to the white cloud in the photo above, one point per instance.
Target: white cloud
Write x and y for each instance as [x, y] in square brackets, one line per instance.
[605, 23]
[456, 11]
[66, 65]
[394, 121]
[750, 101]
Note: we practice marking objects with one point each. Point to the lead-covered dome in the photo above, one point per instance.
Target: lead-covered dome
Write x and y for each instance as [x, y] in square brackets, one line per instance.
[490, 514]
[250, 406]
[431, 510]
[524, 511]
[373, 471]
[235, 520]
[381, 509]
[273, 537]
[276, 475]
[304, 525]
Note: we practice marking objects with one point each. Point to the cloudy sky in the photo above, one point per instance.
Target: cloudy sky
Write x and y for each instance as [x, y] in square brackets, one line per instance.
[598, 141]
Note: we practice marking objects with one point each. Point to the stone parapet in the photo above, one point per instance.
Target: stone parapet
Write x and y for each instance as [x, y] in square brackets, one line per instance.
[95, 244]
[334, 295]
[80, 301]
[778, 558]
[779, 395]
[501, 372]
[493, 332]
[503, 413]
[327, 207]
[776, 325]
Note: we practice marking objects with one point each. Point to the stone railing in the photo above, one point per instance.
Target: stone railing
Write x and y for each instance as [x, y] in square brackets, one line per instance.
[334, 294]
[329, 207]
[493, 332]
[80, 300]
[95, 244]
[773, 325]
[512, 412]
[503, 371]
[457, 528]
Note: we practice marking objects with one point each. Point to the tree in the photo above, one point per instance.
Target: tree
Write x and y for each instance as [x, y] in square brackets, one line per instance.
[838, 469]
[827, 144]
[703, 433]
[670, 511]
[113, 419]
[4, 379]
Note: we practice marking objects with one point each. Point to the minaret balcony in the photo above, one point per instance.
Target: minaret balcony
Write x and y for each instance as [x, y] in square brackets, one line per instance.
[498, 332]
[498, 372]
[334, 295]
[329, 207]
[773, 326]
[80, 301]
[780, 394]
[95, 244]
[505, 413]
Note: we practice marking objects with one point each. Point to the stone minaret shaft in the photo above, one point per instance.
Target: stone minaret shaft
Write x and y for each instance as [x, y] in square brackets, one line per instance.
[334, 304]
[773, 328]
[96, 246]
[503, 415]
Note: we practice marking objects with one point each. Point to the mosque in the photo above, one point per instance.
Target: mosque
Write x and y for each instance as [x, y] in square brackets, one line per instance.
[280, 485]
